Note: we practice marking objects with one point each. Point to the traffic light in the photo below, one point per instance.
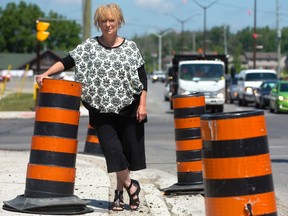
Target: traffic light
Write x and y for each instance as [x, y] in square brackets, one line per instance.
[41, 27]
[255, 35]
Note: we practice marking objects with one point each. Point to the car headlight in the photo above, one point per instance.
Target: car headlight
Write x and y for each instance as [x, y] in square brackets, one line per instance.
[281, 98]
[221, 93]
[183, 91]
[249, 90]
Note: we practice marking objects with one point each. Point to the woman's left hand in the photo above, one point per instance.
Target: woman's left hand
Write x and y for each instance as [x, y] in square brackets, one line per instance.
[141, 113]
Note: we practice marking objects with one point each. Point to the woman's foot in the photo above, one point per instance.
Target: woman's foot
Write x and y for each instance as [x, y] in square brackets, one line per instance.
[118, 204]
[134, 194]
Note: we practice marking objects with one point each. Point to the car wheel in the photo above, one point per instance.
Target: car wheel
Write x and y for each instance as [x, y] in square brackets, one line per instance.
[171, 105]
[276, 110]
[230, 100]
[240, 102]
[220, 108]
[271, 110]
[262, 103]
[244, 102]
[257, 105]
[270, 107]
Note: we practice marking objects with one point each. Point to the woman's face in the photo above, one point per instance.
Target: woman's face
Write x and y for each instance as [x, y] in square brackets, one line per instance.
[109, 25]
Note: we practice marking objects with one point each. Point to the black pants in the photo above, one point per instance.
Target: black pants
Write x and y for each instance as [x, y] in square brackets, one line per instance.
[122, 141]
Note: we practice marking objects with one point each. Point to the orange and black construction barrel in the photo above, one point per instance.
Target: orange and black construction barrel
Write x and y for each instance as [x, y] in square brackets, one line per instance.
[237, 171]
[187, 112]
[92, 145]
[51, 170]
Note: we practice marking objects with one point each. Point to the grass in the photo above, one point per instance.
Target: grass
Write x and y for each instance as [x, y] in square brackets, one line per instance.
[15, 102]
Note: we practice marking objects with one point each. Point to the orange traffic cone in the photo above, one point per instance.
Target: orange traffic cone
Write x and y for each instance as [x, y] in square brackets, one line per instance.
[237, 169]
[92, 145]
[51, 170]
[187, 112]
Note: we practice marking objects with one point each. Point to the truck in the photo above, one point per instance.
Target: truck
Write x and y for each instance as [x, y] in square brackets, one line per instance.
[200, 73]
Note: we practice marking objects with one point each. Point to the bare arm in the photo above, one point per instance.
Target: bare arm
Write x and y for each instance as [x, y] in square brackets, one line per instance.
[141, 111]
[55, 68]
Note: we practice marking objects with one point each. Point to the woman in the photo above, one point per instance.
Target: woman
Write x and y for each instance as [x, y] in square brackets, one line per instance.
[114, 90]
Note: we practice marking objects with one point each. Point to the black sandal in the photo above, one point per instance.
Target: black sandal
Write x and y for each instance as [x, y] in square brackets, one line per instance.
[118, 204]
[134, 201]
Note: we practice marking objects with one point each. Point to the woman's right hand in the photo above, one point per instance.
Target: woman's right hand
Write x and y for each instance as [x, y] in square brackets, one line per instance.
[39, 79]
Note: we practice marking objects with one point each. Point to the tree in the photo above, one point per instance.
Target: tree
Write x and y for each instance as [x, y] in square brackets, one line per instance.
[64, 34]
[17, 29]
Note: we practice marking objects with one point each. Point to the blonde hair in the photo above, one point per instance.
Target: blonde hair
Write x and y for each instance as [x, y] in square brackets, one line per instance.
[102, 13]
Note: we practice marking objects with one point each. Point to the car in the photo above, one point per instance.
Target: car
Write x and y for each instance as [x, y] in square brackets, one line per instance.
[232, 91]
[167, 91]
[249, 80]
[279, 97]
[5, 77]
[158, 76]
[262, 94]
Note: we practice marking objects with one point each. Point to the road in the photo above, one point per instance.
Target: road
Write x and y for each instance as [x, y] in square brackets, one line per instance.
[16, 134]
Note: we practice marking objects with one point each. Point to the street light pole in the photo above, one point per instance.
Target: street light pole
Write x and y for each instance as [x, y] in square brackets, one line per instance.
[205, 9]
[182, 26]
[160, 36]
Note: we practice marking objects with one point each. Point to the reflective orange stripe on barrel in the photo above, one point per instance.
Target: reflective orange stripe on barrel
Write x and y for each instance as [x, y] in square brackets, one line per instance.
[50, 173]
[261, 205]
[71, 88]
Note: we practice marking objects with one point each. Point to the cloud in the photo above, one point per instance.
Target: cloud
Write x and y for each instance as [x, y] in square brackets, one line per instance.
[159, 5]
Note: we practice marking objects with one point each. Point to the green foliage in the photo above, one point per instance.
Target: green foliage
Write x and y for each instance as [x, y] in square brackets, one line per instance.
[17, 24]
[18, 29]
[15, 102]
[64, 35]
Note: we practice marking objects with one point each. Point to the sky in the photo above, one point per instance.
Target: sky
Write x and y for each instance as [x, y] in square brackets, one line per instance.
[154, 16]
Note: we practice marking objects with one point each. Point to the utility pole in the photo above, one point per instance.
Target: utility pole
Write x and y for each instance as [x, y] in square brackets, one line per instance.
[225, 39]
[255, 34]
[86, 5]
[278, 40]
[204, 8]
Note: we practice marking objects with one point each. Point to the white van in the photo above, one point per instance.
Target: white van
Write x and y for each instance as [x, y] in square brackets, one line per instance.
[250, 79]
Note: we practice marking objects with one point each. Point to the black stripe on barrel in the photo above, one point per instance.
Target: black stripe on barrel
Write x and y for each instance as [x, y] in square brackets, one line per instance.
[59, 101]
[48, 189]
[52, 158]
[55, 129]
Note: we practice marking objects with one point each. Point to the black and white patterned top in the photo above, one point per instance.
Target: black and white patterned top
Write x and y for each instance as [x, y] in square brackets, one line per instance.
[109, 76]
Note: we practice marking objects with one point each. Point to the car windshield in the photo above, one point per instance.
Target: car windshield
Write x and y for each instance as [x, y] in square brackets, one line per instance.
[260, 76]
[159, 74]
[268, 85]
[201, 72]
[284, 87]
[234, 80]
